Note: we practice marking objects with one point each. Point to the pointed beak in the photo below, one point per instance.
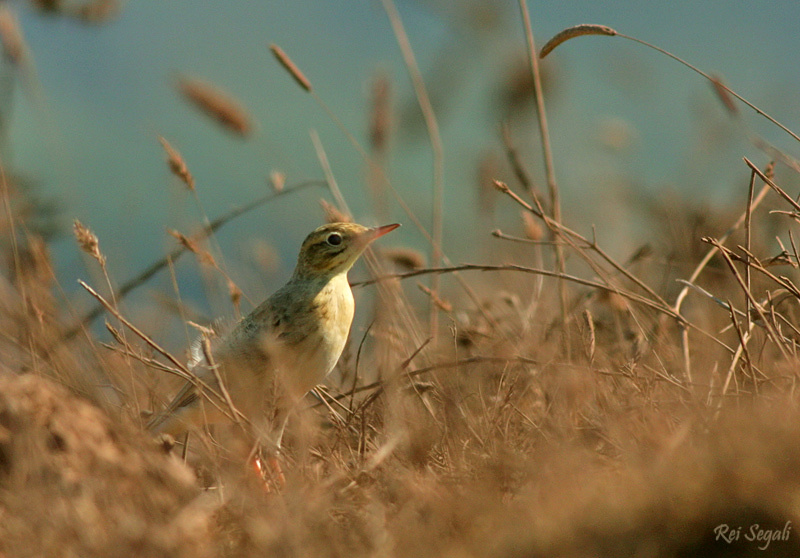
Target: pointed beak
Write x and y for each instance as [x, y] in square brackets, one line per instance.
[369, 235]
[377, 232]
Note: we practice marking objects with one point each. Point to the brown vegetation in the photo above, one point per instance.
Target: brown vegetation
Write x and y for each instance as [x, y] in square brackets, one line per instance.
[568, 403]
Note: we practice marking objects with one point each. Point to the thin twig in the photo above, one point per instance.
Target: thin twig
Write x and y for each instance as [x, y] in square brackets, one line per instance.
[783, 281]
[547, 152]
[432, 126]
[639, 299]
[602, 30]
[654, 304]
[128, 351]
[379, 384]
[748, 236]
[770, 327]
[743, 340]
[699, 269]
[497, 233]
[570, 236]
[191, 376]
[769, 182]
[329, 177]
[358, 359]
[382, 383]
[713, 81]
[205, 344]
[732, 368]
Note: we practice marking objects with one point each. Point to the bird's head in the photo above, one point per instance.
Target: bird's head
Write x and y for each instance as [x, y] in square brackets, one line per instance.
[333, 248]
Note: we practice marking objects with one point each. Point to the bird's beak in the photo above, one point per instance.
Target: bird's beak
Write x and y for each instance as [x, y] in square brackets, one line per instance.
[366, 238]
[377, 232]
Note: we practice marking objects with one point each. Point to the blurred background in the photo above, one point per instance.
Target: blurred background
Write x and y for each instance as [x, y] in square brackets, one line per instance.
[80, 118]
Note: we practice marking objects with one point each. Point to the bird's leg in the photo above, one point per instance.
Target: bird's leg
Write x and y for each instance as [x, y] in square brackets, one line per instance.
[279, 432]
[269, 472]
[268, 468]
[265, 459]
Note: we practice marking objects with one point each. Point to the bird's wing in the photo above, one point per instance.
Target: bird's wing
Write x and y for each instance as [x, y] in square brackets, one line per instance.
[256, 340]
[214, 333]
[196, 363]
[268, 324]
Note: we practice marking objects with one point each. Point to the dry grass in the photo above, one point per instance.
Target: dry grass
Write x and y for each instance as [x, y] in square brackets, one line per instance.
[490, 444]
[636, 417]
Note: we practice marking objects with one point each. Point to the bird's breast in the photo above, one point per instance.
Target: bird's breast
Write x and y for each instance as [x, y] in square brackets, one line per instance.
[315, 356]
[334, 307]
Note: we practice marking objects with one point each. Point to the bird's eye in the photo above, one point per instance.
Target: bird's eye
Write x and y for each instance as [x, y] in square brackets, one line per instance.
[334, 239]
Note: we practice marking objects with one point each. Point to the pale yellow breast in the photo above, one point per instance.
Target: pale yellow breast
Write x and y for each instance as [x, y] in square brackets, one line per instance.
[306, 365]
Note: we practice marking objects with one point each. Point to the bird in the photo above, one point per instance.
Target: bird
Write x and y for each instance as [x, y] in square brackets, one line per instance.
[271, 358]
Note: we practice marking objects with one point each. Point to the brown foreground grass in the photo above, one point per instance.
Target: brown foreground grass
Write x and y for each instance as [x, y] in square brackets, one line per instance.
[514, 434]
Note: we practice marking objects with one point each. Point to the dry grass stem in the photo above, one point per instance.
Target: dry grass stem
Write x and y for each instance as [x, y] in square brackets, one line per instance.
[579, 243]
[330, 179]
[768, 324]
[432, 126]
[210, 393]
[654, 304]
[756, 201]
[717, 84]
[549, 166]
[769, 182]
[205, 344]
[441, 303]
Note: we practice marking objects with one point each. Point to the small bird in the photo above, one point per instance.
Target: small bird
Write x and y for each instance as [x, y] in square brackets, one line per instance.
[275, 355]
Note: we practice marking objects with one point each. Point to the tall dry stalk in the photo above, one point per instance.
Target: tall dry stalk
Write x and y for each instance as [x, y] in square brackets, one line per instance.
[437, 150]
[550, 173]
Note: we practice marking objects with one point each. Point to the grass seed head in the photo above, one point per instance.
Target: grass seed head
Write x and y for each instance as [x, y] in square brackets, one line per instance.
[405, 258]
[576, 31]
[277, 180]
[333, 214]
[533, 229]
[88, 241]
[380, 115]
[218, 105]
[287, 63]
[177, 165]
